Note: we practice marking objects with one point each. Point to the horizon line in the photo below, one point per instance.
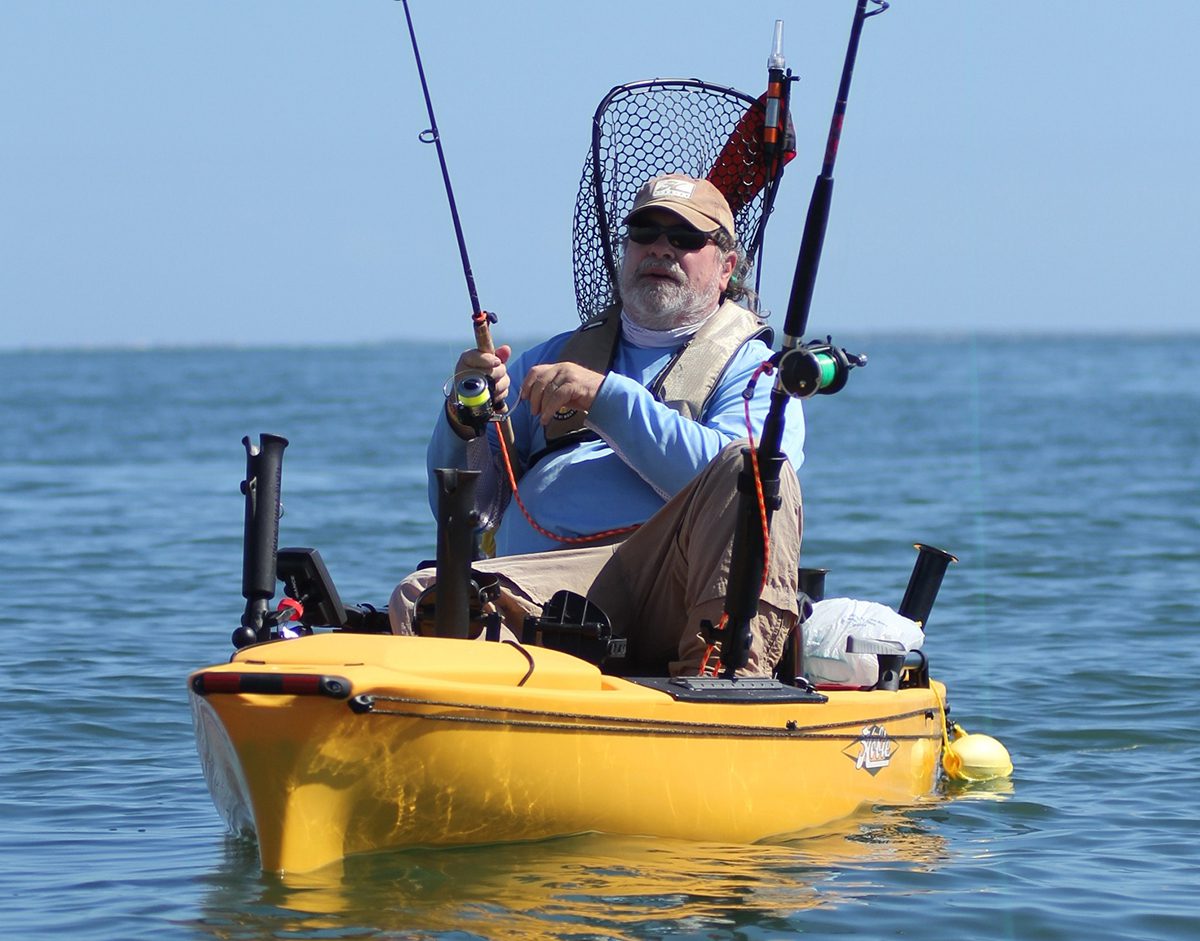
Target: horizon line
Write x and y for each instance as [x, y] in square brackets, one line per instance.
[151, 346]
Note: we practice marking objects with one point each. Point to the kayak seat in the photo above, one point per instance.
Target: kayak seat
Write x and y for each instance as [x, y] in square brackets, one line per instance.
[572, 624]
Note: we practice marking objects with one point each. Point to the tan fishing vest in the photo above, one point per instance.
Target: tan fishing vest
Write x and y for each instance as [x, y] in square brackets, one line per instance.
[685, 384]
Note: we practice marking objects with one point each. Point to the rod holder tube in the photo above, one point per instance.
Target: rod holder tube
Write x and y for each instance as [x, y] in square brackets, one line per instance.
[812, 583]
[260, 539]
[812, 589]
[924, 583]
[456, 518]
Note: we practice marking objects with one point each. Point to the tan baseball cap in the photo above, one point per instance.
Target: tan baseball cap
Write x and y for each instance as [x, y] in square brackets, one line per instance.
[696, 202]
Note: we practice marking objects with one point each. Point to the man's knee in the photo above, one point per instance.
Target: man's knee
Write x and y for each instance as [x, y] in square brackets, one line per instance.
[513, 604]
[724, 473]
[402, 606]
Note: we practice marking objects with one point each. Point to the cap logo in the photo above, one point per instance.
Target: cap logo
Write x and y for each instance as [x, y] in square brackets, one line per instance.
[678, 189]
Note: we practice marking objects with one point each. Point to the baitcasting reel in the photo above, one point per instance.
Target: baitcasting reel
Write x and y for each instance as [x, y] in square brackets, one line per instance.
[816, 368]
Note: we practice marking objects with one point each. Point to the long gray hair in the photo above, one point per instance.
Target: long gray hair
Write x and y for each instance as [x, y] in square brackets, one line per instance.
[739, 289]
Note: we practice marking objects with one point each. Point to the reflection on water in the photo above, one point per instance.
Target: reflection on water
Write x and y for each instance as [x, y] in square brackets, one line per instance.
[580, 887]
[996, 789]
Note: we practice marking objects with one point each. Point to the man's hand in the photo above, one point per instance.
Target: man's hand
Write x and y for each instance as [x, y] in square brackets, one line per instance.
[554, 386]
[491, 365]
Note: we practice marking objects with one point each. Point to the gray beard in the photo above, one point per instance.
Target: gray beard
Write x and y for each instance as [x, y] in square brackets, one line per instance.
[661, 304]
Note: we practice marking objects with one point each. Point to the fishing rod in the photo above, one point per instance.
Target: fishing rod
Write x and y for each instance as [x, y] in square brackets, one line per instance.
[480, 319]
[813, 239]
[809, 369]
[801, 370]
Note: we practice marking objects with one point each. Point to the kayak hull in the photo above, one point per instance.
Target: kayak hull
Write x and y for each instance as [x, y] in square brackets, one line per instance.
[336, 744]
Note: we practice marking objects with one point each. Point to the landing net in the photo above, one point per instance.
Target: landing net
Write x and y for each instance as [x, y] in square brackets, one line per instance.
[662, 126]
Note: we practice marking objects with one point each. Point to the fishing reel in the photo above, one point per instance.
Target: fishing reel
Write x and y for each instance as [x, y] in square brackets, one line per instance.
[471, 398]
[816, 368]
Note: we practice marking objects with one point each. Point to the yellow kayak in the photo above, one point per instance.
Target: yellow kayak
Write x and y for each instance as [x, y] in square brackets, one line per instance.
[336, 743]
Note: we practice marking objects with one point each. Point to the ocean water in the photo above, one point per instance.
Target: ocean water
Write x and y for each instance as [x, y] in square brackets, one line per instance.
[1063, 472]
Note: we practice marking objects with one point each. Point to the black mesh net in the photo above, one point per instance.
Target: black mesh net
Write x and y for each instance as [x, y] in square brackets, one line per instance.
[664, 126]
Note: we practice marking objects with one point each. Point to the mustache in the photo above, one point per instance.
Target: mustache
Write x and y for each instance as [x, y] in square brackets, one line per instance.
[662, 266]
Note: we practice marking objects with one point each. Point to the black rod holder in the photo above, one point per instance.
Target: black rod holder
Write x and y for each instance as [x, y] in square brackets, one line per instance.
[812, 583]
[260, 538]
[812, 590]
[457, 519]
[924, 583]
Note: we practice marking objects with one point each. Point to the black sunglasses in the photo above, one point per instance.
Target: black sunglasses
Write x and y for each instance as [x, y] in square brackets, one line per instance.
[683, 237]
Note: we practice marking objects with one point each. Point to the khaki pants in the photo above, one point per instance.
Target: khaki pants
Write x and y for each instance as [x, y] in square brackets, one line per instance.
[659, 583]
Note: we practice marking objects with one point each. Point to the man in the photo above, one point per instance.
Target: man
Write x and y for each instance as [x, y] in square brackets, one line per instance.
[630, 421]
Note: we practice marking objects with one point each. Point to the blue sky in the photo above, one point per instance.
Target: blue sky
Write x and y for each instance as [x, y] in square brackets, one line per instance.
[248, 171]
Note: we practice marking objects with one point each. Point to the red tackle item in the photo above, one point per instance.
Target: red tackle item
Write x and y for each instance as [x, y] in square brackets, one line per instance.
[740, 171]
[297, 609]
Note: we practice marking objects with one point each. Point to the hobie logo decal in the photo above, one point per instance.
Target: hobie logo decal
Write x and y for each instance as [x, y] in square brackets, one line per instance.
[873, 751]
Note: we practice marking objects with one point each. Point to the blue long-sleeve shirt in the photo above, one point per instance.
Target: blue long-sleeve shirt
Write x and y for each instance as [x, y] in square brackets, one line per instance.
[647, 452]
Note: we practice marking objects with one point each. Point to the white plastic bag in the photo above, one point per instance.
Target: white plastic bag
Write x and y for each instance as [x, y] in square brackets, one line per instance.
[835, 619]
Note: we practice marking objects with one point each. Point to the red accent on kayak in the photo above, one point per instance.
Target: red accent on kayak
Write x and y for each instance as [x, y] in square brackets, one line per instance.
[278, 684]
